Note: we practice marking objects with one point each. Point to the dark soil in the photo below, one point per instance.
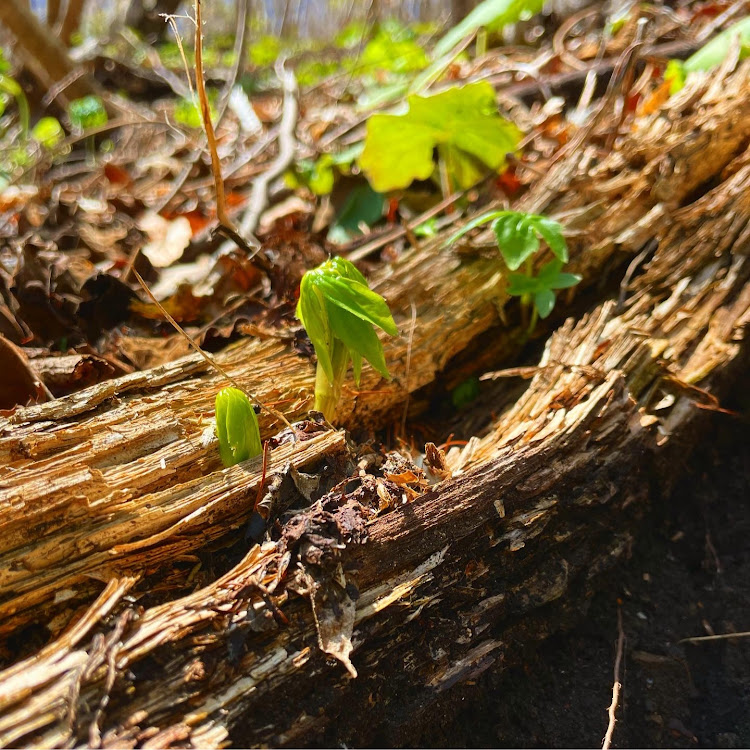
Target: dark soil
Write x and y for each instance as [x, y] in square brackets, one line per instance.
[689, 575]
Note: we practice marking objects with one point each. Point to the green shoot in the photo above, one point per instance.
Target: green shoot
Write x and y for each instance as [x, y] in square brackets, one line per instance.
[540, 289]
[236, 427]
[338, 311]
[85, 114]
[518, 236]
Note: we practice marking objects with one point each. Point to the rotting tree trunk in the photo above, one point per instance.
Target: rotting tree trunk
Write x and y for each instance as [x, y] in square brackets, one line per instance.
[465, 575]
[43, 53]
[102, 454]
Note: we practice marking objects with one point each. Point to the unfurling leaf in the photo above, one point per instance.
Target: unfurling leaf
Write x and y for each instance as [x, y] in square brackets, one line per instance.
[338, 311]
[236, 427]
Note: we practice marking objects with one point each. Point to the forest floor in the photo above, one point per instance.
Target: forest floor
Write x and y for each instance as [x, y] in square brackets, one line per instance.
[689, 575]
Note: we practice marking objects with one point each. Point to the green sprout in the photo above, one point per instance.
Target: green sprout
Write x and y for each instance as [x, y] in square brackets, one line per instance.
[338, 311]
[86, 114]
[518, 235]
[237, 427]
[540, 289]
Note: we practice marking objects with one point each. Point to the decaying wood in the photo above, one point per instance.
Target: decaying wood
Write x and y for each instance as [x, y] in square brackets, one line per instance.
[115, 482]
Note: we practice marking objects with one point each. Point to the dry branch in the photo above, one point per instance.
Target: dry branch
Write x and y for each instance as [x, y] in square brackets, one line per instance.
[115, 482]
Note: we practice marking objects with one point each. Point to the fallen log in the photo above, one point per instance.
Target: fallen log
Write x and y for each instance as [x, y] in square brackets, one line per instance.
[533, 516]
[93, 459]
[462, 578]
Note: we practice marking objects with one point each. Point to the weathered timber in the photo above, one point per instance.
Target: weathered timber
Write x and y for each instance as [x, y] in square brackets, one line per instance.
[78, 474]
[466, 576]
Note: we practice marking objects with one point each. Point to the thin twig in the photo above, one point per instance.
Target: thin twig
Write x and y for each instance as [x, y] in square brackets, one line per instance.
[617, 686]
[200, 85]
[287, 148]
[720, 637]
[211, 361]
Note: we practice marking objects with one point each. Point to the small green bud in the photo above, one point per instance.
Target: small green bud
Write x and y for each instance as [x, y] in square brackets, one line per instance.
[237, 427]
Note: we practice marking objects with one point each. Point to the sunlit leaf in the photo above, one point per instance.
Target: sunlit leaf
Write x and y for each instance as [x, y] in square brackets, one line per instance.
[398, 148]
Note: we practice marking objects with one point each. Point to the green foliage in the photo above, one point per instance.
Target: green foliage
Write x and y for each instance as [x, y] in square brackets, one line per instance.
[397, 55]
[48, 132]
[464, 393]
[362, 207]
[541, 288]
[461, 122]
[427, 228]
[518, 237]
[236, 427]
[710, 56]
[9, 86]
[318, 175]
[492, 13]
[338, 311]
[87, 113]
[187, 112]
[265, 51]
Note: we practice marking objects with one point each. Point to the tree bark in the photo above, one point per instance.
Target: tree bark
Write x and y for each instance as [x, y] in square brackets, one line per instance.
[43, 53]
[453, 577]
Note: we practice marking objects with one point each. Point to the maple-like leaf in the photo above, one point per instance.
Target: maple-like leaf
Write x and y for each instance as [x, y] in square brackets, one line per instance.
[461, 122]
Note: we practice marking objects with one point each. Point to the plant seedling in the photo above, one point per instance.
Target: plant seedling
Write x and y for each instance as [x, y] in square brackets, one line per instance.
[236, 427]
[338, 311]
[519, 236]
[540, 289]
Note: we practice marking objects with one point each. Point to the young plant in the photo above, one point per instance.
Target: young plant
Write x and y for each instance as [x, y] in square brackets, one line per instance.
[518, 236]
[236, 427]
[540, 289]
[338, 311]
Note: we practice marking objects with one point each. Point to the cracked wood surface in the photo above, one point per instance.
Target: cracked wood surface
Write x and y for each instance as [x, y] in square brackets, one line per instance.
[91, 459]
[534, 514]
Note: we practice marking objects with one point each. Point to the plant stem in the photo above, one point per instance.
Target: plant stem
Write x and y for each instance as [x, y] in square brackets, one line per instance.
[327, 393]
[533, 321]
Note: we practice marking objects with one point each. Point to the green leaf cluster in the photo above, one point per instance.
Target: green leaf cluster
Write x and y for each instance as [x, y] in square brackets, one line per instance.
[87, 113]
[491, 13]
[518, 234]
[461, 122]
[236, 427]
[541, 288]
[319, 174]
[336, 304]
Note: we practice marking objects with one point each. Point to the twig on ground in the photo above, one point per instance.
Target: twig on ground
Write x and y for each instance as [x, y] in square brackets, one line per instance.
[287, 147]
[412, 327]
[200, 84]
[719, 637]
[616, 686]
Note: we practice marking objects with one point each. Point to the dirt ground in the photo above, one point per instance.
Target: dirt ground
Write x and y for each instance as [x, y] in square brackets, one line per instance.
[689, 575]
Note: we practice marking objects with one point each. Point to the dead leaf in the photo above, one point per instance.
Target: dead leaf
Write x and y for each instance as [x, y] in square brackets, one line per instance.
[167, 239]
